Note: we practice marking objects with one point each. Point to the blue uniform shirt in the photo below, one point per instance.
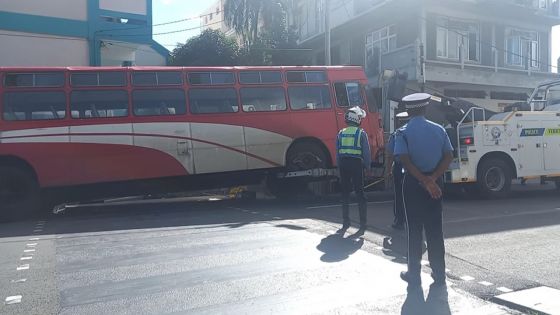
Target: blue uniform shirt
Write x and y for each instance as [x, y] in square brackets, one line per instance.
[366, 152]
[424, 141]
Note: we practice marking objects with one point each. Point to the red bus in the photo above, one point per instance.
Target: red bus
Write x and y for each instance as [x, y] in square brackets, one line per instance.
[71, 129]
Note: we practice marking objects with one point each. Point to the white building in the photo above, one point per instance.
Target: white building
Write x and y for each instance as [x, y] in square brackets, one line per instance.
[78, 33]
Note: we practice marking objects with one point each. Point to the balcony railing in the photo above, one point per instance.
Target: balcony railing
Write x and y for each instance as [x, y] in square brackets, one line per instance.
[543, 7]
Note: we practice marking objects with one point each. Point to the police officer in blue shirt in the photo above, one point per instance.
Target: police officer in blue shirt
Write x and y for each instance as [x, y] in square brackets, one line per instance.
[394, 169]
[425, 151]
[353, 155]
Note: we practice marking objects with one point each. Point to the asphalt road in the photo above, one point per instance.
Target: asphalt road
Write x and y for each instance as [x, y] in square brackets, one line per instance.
[492, 246]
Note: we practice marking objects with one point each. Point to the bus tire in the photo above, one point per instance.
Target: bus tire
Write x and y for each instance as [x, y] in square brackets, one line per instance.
[494, 178]
[19, 193]
[305, 155]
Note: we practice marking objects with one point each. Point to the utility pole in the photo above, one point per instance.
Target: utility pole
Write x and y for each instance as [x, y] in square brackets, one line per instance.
[326, 7]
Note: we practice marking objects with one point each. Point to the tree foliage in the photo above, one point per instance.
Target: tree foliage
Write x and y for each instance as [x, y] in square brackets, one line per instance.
[263, 28]
[210, 48]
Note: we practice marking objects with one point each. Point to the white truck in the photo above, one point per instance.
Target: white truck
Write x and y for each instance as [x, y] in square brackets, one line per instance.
[522, 144]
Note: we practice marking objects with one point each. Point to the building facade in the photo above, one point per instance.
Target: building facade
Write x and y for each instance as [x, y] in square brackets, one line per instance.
[490, 52]
[214, 18]
[78, 33]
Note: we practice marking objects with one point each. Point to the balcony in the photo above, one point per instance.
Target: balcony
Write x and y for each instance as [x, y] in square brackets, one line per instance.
[544, 8]
[476, 74]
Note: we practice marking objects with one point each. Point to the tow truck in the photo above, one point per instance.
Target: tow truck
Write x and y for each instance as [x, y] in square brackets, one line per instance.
[522, 143]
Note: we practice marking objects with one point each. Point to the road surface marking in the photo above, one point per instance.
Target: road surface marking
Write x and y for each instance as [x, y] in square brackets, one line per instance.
[26, 258]
[13, 299]
[29, 250]
[486, 283]
[424, 263]
[254, 212]
[467, 278]
[518, 214]
[31, 244]
[504, 289]
[378, 247]
[34, 239]
[18, 280]
[23, 267]
[352, 204]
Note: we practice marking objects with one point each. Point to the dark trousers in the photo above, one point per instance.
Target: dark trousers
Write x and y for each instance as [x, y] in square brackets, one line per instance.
[423, 213]
[398, 204]
[352, 177]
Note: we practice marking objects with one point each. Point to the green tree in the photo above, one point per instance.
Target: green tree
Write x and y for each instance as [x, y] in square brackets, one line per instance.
[211, 48]
[249, 17]
[263, 27]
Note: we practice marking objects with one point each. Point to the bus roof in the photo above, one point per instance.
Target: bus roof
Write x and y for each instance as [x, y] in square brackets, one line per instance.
[165, 68]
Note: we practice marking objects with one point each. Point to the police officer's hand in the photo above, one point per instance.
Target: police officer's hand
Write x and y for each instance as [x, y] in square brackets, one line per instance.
[432, 187]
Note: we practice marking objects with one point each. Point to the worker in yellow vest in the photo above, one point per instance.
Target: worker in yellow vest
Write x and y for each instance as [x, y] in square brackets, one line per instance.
[353, 155]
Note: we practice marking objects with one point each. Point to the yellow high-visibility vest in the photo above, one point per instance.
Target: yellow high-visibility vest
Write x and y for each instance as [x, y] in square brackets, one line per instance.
[349, 143]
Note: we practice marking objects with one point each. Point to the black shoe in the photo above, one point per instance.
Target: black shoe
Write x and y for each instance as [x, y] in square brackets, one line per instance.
[344, 228]
[398, 226]
[360, 232]
[405, 276]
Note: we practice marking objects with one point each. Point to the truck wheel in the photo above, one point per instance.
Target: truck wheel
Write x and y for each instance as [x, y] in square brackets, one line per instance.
[494, 178]
[19, 193]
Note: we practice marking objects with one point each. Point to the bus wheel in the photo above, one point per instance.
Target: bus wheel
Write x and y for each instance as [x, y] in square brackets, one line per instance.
[305, 156]
[19, 193]
[494, 178]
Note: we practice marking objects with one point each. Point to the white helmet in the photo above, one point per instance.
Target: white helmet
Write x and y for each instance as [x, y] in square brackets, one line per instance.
[355, 115]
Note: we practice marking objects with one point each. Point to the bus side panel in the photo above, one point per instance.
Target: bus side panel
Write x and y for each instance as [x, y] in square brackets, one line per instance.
[58, 164]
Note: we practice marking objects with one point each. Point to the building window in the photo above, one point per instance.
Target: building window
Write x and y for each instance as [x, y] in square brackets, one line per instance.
[543, 4]
[377, 43]
[454, 34]
[520, 45]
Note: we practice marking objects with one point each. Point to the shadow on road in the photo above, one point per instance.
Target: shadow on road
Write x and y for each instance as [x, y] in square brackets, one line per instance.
[338, 248]
[437, 302]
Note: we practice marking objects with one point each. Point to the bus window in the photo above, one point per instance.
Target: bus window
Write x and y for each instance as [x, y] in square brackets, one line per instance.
[211, 78]
[348, 94]
[210, 101]
[263, 99]
[106, 78]
[34, 106]
[158, 102]
[260, 77]
[157, 78]
[306, 77]
[309, 97]
[41, 79]
[99, 104]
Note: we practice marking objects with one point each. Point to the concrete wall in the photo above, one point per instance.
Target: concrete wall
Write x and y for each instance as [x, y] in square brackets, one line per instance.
[20, 50]
[68, 9]
[129, 6]
[147, 56]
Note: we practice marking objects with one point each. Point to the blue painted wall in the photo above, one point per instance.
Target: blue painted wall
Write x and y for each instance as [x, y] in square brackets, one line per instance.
[95, 29]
